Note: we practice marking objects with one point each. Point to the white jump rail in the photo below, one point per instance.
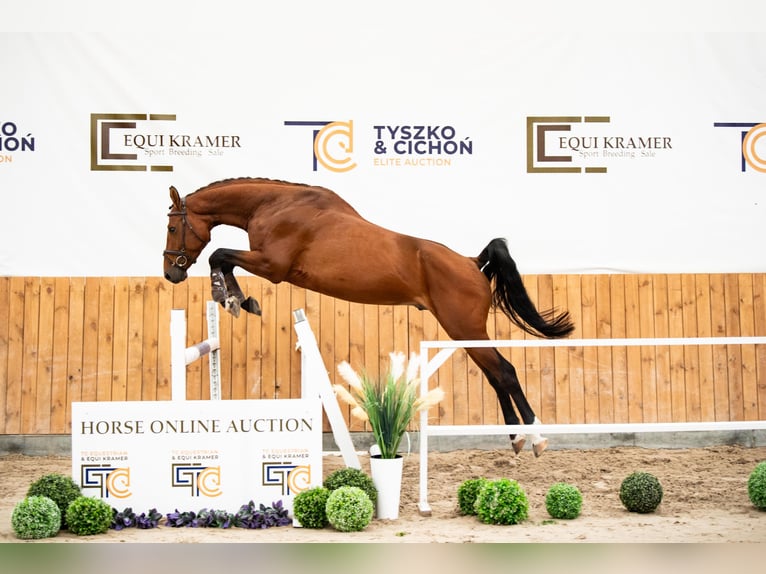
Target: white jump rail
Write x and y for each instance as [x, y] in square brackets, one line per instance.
[447, 348]
[181, 356]
[316, 381]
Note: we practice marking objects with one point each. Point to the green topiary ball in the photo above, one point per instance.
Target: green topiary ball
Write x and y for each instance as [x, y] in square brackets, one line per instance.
[87, 515]
[501, 502]
[36, 517]
[310, 507]
[466, 495]
[756, 486]
[349, 509]
[641, 492]
[563, 501]
[60, 488]
[352, 477]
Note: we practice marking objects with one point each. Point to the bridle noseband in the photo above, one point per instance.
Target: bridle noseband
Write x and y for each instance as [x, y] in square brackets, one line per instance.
[182, 260]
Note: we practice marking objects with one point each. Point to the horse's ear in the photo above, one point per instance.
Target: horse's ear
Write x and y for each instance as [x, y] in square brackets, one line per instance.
[175, 198]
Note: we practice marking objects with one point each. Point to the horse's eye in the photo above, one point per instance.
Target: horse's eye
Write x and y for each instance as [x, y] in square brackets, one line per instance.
[172, 229]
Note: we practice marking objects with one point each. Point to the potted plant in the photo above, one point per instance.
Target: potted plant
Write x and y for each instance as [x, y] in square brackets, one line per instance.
[388, 404]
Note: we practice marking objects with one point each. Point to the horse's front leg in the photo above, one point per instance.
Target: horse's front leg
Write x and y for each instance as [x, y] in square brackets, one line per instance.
[226, 289]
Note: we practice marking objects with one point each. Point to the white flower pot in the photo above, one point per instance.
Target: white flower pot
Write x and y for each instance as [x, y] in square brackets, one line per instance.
[387, 477]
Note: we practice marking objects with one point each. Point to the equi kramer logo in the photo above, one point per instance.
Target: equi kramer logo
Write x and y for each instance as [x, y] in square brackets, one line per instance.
[579, 144]
[145, 142]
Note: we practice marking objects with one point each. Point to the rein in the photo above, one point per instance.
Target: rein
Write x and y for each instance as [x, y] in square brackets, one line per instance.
[182, 260]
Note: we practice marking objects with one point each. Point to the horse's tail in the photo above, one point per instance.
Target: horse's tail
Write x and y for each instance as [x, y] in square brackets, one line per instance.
[511, 297]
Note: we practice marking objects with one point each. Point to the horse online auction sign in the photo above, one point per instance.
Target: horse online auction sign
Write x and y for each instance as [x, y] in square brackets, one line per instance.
[190, 455]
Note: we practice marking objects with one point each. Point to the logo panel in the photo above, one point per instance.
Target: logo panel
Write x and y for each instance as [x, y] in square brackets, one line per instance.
[149, 142]
[332, 144]
[752, 144]
[584, 144]
[13, 141]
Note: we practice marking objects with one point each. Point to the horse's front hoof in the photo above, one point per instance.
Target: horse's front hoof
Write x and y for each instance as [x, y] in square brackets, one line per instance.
[539, 447]
[232, 305]
[518, 444]
[251, 306]
[218, 287]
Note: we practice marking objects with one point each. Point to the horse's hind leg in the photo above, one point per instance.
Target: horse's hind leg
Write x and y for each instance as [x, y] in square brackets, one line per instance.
[503, 378]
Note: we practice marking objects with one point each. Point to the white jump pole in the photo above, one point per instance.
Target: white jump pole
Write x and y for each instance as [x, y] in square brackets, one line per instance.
[181, 355]
[316, 382]
[447, 348]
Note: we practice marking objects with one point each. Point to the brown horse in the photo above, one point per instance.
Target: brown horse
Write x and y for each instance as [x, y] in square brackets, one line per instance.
[310, 237]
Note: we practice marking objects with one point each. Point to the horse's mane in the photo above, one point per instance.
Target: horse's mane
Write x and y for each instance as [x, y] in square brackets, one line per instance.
[250, 179]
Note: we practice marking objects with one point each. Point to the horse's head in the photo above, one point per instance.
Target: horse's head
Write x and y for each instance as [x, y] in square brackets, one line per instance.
[184, 243]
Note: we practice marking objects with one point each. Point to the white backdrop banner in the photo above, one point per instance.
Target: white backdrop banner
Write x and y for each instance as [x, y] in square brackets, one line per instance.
[591, 145]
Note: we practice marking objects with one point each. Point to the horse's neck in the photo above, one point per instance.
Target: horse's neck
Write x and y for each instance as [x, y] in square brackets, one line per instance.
[227, 205]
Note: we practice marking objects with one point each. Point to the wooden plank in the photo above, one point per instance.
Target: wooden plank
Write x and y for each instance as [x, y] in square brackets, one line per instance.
[13, 391]
[619, 354]
[284, 321]
[234, 347]
[269, 341]
[431, 333]
[590, 354]
[718, 317]
[749, 358]
[633, 331]
[90, 339]
[43, 377]
[604, 354]
[341, 349]
[134, 373]
[30, 354]
[5, 293]
[706, 356]
[576, 354]
[59, 406]
[531, 380]
[677, 390]
[255, 329]
[544, 300]
[734, 352]
[165, 294]
[152, 322]
[759, 309]
[648, 354]
[662, 352]
[371, 360]
[120, 326]
[446, 382]
[105, 339]
[356, 350]
[561, 358]
[691, 353]
[75, 341]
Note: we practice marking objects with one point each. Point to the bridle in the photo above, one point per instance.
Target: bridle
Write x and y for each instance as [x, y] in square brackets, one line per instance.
[182, 260]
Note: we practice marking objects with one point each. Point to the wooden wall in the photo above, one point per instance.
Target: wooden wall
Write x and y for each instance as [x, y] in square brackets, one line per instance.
[65, 339]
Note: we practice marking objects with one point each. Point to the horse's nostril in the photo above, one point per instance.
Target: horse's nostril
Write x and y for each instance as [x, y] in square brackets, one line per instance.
[167, 276]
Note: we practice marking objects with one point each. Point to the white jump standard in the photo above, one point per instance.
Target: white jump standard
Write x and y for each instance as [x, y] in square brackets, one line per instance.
[181, 356]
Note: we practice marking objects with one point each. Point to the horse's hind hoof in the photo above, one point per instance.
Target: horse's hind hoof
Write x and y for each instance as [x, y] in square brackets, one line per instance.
[518, 444]
[251, 306]
[539, 447]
